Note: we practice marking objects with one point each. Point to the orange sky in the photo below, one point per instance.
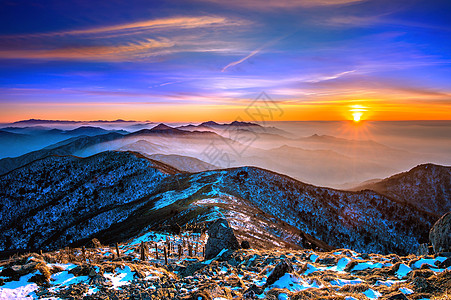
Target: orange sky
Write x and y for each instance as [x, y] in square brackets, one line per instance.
[370, 110]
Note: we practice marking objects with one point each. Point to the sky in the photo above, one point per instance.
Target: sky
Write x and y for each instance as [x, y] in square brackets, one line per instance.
[199, 60]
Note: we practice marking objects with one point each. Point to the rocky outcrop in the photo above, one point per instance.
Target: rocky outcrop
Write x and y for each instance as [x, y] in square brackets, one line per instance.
[220, 237]
[440, 234]
[283, 267]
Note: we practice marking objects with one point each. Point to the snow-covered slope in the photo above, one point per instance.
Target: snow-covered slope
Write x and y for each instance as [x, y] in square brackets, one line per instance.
[57, 201]
[427, 186]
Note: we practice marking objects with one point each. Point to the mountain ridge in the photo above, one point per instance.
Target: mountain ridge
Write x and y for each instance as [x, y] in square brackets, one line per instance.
[136, 195]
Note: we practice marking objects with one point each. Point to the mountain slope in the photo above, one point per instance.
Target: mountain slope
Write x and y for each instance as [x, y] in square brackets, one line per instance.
[184, 163]
[427, 186]
[22, 140]
[8, 164]
[115, 195]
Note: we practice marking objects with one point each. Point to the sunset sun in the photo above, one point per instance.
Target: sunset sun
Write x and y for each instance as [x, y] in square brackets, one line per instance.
[356, 116]
[357, 112]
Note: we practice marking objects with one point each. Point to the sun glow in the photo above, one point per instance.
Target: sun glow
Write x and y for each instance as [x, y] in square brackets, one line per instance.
[357, 112]
[356, 116]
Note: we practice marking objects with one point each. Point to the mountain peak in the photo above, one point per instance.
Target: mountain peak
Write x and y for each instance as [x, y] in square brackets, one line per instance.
[209, 123]
[162, 126]
[240, 123]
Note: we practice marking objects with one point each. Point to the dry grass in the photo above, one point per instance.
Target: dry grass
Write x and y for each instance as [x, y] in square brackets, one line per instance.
[445, 296]
[355, 288]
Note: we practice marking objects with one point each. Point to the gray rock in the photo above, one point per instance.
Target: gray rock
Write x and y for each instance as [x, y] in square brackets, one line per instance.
[440, 234]
[252, 292]
[283, 267]
[220, 237]
[191, 269]
[445, 264]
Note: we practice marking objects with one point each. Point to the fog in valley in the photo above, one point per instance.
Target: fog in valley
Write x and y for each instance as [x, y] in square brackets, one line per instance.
[333, 154]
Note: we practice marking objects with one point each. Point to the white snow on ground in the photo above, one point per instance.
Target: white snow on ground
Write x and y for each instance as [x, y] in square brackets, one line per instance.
[370, 265]
[293, 283]
[149, 237]
[341, 264]
[121, 277]
[21, 289]
[283, 296]
[65, 278]
[403, 270]
[406, 291]
[313, 257]
[62, 266]
[428, 261]
[310, 269]
[372, 294]
[343, 282]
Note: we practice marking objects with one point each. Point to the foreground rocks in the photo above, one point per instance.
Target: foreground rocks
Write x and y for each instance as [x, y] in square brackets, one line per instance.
[278, 273]
[220, 237]
[281, 269]
[246, 274]
[440, 234]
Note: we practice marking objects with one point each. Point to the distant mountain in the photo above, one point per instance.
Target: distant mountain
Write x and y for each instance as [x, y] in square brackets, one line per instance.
[8, 164]
[209, 124]
[234, 126]
[31, 130]
[64, 200]
[165, 130]
[87, 130]
[8, 137]
[39, 121]
[427, 187]
[184, 163]
[159, 129]
[32, 138]
[145, 147]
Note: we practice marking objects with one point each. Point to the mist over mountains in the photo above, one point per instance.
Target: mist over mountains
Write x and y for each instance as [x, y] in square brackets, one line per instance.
[320, 159]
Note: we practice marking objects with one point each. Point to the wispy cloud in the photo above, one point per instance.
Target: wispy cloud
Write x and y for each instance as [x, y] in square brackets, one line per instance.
[330, 77]
[268, 44]
[102, 53]
[241, 60]
[173, 23]
[108, 43]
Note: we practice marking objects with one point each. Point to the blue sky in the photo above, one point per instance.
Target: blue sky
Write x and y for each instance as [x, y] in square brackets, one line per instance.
[198, 60]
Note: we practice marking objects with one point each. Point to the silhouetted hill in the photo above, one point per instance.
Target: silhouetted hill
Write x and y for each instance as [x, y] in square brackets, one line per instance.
[8, 164]
[427, 187]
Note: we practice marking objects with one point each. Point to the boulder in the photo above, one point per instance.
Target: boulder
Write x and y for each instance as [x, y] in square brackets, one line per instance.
[283, 267]
[445, 264]
[440, 234]
[220, 237]
[252, 292]
[245, 245]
